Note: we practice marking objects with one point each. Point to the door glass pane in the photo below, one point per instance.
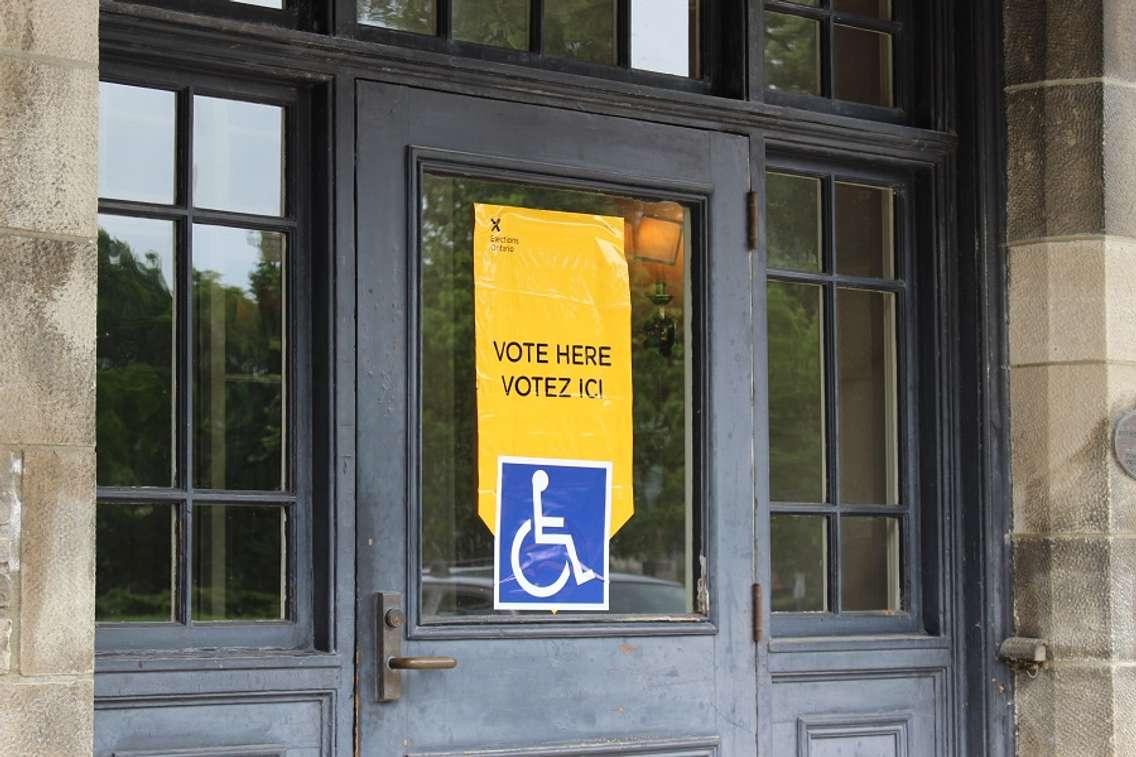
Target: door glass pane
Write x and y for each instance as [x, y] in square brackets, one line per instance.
[581, 29]
[136, 143]
[418, 16]
[870, 8]
[793, 210]
[239, 563]
[134, 565]
[799, 545]
[652, 562]
[792, 54]
[870, 568]
[866, 368]
[664, 36]
[502, 23]
[862, 66]
[796, 393]
[239, 386]
[238, 156]
[263, 3]
[135, 352]
[865, 230]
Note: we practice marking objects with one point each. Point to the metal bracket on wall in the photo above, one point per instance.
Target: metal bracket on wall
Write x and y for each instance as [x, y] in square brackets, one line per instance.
[1024, 655]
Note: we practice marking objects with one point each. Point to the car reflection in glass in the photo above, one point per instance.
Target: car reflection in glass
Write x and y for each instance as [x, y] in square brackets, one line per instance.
[450, 592]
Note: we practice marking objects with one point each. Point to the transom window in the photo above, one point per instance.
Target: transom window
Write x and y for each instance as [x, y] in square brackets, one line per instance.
[199, 493]
[837, 291]
[661, 36]
[838, 49]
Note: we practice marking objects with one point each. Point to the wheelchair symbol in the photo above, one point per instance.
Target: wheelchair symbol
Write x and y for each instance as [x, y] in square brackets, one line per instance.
[537, 524]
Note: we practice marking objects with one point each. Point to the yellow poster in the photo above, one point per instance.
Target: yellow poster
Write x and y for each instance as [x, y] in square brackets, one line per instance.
[552, 308]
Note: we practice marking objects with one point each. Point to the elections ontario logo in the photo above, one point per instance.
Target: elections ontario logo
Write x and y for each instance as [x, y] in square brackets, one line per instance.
[553, 528]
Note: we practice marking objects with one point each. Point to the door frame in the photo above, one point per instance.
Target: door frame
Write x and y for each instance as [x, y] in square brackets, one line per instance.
[964, 93]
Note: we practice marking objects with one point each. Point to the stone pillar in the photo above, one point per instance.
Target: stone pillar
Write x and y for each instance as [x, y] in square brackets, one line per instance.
[1071, 118]
[48, 272]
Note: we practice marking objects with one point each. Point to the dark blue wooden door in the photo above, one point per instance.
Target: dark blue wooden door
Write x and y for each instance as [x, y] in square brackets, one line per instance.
[671, 668]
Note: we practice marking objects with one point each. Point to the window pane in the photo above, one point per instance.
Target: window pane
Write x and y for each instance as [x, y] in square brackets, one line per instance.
[664, 36]
[799, 546]
[792, 54]
[796, 393]
[135, 344]
[581, 29]
[503, 23]
[865, 230]
[793, 210]
[238, 156]
[866, 356]
[239, 563]
[870, 564]
[863, 66]
[652, 558]
[869, 8]
[136, 143]
[404, 15]
[134, 578]
[239, 386]
[279, 4]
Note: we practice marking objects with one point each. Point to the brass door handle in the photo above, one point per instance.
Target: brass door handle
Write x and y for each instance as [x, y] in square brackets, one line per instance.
[390, 621]
[421, 663]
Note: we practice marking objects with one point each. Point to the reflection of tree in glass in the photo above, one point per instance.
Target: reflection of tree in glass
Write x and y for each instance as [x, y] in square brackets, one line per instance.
[796, 401]
[504, 23]
[242, 546]
[792, 61]
[793, 209]
[452, 535]
[132, 578]
[580, 29]
[135, 350]
[799, 563]
[250, 322]
[404, 15]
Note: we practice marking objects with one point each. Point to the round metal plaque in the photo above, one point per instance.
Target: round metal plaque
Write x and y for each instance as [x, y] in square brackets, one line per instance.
[1124, 443]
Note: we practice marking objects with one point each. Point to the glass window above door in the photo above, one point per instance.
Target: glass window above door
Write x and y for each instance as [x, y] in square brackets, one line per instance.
[658, 36]
[842, 50]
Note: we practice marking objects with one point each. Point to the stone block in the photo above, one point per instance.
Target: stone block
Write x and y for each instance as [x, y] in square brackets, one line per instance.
[1054, 285]
[5, 589]
[46, 718]
[1061, 593]
[49, 150]
[1124, 703]
[1083, 713]
[1119, 139]
[57, 574]
[1061, 452]
[1034, 708]
[11, 467]
[5, 649]
[47, 338]
[1120, 297]
[1024, 40]
[1119, 30]
[63, 29]
[1055, 161]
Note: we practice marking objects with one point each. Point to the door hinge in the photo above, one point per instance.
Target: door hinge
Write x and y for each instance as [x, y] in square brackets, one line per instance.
[758, 615]
[751, 221]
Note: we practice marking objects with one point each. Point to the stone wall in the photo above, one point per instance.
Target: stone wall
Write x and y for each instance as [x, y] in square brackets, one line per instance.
[48, 270]
[1071, 118]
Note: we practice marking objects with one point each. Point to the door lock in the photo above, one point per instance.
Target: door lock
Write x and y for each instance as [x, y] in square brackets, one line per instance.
[388, 638]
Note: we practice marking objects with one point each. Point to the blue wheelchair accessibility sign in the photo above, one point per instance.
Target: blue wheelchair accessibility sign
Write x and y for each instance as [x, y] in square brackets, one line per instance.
[553, 527]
